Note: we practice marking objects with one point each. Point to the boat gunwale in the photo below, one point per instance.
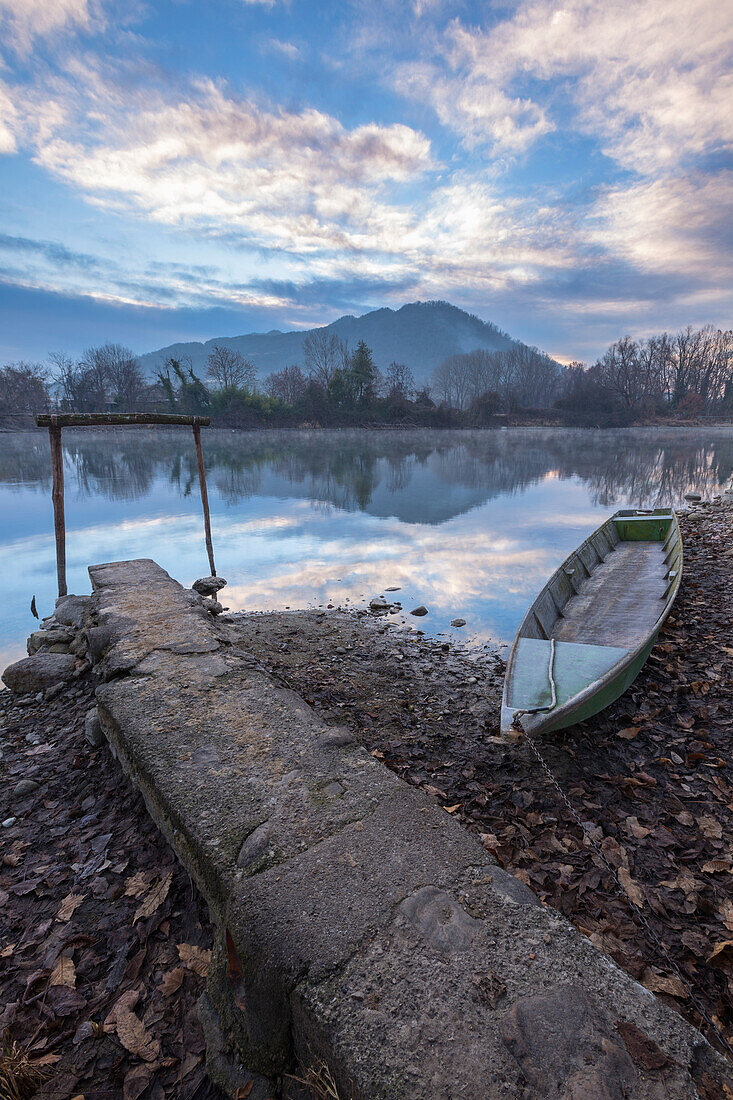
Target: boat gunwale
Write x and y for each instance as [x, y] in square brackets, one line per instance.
[545, 719]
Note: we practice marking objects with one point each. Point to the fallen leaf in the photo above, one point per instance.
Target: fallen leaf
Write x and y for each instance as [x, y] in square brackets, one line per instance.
[137, 1080]
[244, 1090]
[722, 954]
[642, 1050]
[629, 733]
[659, 983]
[713, 866]
[637, 830]
[452, 809]
[135, 1037]
[172, 982]
[710, 828]
[726, 914]
[631, 886]
[154, 899]
[70, 903]
[64, 973]
[123, 1004]
[137, 884]
[194, 958]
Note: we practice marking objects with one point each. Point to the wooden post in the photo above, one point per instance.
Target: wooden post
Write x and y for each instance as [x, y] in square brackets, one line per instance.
[204, 493]
[59, 522]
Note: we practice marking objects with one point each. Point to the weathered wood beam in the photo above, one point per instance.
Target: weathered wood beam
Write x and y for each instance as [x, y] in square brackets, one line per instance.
[120, 420]
[204, 496]
[57, 495]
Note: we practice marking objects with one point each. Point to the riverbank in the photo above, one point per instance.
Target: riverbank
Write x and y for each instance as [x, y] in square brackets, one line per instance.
[651, 777]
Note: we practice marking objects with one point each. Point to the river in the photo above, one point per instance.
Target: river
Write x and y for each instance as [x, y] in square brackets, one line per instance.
[468, 523]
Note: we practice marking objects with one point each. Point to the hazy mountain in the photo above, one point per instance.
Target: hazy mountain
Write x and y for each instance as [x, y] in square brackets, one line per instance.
[420, 334]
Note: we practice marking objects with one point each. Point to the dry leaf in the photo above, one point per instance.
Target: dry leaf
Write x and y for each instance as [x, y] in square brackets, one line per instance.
[244, 1090]
[135, 1037]
[722, 954]
[68, 905]
[123, 1004]
[629, 733]
[155, 899]
[713, 866]
[631, 886]
[172, 982]
[137, 884]
[726, 914]
[194, 958]
[711, 828]
[637, 830]
[64, 973]
[659, 983]
[452, 809]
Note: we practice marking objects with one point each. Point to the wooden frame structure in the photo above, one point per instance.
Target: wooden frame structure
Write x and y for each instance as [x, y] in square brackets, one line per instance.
[56, 421]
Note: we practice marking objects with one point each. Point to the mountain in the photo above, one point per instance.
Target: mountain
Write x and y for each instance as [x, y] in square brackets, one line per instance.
[420, 334]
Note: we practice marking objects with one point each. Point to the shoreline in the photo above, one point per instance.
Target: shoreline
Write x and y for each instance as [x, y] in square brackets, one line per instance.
[651, 775]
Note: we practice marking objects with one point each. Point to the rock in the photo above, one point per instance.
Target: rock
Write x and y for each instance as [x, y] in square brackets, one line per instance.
[458, 622]
[213, 607]
[208, 586]
[394, 588]
[93, 728]
[379, 604]
[70, 610]
[53, 691]
[8, 822]
[419, 610]
[55, 636]
[26, 786]
[693, 496]
[39, 672]
[59, 647]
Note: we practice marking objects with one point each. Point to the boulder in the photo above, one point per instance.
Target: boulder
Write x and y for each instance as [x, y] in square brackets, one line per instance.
[36, 673]
[419, 610]
[70, 610]
[208, 586]
[55, 636]
[379, 604]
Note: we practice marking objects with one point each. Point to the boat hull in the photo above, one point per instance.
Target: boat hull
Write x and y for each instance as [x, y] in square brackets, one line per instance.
[562, 670]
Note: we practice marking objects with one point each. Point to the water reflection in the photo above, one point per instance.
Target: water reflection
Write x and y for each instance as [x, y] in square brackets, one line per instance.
[469, 523]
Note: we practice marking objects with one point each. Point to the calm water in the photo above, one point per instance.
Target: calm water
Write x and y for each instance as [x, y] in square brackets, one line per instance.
[468, 523]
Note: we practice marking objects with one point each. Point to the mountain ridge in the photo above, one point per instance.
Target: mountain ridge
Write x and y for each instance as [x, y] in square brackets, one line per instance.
[419, 334]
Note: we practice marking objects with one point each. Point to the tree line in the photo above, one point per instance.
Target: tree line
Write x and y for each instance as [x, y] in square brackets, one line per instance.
[687, 374]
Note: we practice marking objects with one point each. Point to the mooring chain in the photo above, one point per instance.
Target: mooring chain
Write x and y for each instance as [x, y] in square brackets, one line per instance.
[635, 908]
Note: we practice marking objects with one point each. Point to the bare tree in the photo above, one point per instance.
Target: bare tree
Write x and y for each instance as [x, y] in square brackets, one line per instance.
[230, 369]
[324, 354]
[95, 382]
[287, 385]
[399, 382]
[23, 388]
[126, 380]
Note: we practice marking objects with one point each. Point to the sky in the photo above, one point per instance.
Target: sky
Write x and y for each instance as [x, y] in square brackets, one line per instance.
[176, 170]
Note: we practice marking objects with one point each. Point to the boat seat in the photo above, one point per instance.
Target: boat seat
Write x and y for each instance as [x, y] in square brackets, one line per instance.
[574, 667]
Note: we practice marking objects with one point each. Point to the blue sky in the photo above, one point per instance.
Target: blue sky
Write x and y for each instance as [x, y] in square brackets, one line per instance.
[179, 170]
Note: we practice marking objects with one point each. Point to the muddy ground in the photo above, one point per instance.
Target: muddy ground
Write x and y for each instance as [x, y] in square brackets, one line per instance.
[104, 940]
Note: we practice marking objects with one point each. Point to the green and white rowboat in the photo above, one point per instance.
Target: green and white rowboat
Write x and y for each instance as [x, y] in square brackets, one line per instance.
[586, 636]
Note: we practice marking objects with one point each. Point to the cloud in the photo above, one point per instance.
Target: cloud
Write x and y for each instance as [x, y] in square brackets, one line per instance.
[8, 121]
[289, 49]
[25, 20]
[651, 80]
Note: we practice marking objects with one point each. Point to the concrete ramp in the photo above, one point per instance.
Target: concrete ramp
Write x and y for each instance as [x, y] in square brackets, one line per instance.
[358, 925]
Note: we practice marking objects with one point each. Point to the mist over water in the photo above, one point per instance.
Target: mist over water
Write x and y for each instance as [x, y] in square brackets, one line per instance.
[468, 523]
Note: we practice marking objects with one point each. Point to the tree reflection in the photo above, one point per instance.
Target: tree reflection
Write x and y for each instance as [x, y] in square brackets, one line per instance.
[344, 469]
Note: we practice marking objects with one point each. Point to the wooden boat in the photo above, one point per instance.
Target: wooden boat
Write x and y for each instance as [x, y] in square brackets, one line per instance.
[590, 630]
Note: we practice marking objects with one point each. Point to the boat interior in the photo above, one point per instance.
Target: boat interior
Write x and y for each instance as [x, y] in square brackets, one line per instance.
[602, 603]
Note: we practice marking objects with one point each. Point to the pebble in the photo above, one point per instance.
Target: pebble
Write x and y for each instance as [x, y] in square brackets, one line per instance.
[458, 622]
[8, 822]
[25, 786]
[419, 610]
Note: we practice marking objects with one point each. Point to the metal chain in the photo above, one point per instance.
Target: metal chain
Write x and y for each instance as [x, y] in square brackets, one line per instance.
[635, 908]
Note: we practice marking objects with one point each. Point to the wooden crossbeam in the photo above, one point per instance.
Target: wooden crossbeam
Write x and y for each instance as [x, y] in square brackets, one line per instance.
[56, 421]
